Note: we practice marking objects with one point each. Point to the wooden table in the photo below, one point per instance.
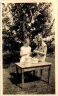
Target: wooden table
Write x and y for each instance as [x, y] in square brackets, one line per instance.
[32, 67]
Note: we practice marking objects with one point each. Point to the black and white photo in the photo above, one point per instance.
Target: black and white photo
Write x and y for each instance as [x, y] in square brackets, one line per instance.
[28, 48]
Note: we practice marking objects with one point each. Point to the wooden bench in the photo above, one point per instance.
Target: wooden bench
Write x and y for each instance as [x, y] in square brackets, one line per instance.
[32, 67]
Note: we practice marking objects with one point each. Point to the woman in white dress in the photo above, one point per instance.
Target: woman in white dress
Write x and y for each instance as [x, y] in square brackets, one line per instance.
[25, 50]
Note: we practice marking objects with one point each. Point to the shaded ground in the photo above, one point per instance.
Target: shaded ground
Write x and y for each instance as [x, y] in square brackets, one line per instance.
[32, 86]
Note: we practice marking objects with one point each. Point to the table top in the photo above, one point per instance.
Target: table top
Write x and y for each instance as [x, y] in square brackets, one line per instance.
[29, 65]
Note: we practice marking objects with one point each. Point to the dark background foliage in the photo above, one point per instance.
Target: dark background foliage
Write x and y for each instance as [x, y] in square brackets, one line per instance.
[21, 20]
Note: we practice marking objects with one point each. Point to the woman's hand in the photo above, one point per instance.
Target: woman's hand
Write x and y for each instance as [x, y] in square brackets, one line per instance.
[35, 51]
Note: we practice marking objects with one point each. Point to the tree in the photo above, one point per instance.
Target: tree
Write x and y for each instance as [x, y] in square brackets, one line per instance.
[20, 20]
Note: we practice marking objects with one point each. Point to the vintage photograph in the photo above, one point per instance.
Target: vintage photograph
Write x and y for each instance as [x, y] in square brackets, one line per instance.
[28, 48]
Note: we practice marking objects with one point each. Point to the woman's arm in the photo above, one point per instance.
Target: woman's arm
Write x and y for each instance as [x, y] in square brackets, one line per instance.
[21, 53]
[43, 52]
[36, 51]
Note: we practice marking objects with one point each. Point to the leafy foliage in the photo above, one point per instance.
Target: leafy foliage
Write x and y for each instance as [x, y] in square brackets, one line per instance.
[21, 20]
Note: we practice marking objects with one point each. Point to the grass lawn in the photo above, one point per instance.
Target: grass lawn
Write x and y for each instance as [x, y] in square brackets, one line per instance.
[34, 87]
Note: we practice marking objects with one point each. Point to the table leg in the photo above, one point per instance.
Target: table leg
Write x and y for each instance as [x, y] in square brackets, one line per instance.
[49, 73]
[34, 73]
[17, 72]
[22, 79]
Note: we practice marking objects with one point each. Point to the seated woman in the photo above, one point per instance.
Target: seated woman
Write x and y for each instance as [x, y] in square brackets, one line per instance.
[41, 48]
[25, 50]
